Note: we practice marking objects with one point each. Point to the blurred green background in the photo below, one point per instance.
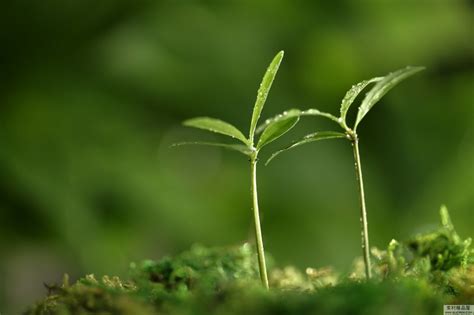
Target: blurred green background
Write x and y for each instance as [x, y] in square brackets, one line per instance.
[92, 94]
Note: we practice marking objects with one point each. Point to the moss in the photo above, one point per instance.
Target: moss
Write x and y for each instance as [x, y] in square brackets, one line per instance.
[444, 248]
[199, 269]
[88, 295]
[416, 276]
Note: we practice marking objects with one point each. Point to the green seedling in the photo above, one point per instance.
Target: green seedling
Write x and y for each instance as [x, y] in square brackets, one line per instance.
[251, 148]
[381, 87]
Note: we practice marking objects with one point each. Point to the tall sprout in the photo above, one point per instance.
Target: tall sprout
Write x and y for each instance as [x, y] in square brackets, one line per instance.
[251, 148]
[381, 87]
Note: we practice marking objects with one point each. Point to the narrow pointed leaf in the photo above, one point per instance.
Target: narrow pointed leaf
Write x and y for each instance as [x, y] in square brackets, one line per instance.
[263, 91]
[276, 129]
[236, 147]
[322, 135]
[288, 113]
[216, 125]
[381, 88]
[352, 94]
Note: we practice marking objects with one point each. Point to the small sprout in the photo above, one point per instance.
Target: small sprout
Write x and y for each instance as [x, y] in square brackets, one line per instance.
[381, 87]
[271, 130]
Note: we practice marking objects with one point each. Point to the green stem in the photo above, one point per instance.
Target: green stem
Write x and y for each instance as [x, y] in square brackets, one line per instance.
[258, 230]
[363, 210]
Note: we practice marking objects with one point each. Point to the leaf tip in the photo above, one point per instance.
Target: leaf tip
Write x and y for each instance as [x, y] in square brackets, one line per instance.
[270, 158]
[279, 56]
[187, 122]
[416, 68]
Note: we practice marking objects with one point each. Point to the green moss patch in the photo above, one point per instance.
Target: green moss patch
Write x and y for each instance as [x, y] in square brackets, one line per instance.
[417, 276]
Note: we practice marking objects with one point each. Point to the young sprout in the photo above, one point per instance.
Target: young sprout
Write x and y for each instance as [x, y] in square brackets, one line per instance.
[248, 146]
[381, 87]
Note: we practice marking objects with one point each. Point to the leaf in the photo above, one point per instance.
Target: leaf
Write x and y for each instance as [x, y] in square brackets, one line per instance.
[236, 147]
[263, 91]
[288, 113]
[381, 88]
[276, 129]
[216, 125]
[322, 135]
[317, 112]
[352, 94]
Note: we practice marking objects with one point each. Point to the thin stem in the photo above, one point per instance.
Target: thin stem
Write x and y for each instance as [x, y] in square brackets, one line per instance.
[258, 231]
[363, 210]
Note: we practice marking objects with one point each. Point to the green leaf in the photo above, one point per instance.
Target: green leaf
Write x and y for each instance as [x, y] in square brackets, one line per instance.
[322, 135]
[276, 129]
[317, 112]
[216, 125]
[263, 91]
[381, 88]
[236, 147]
[288, 113]
[352, 94]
